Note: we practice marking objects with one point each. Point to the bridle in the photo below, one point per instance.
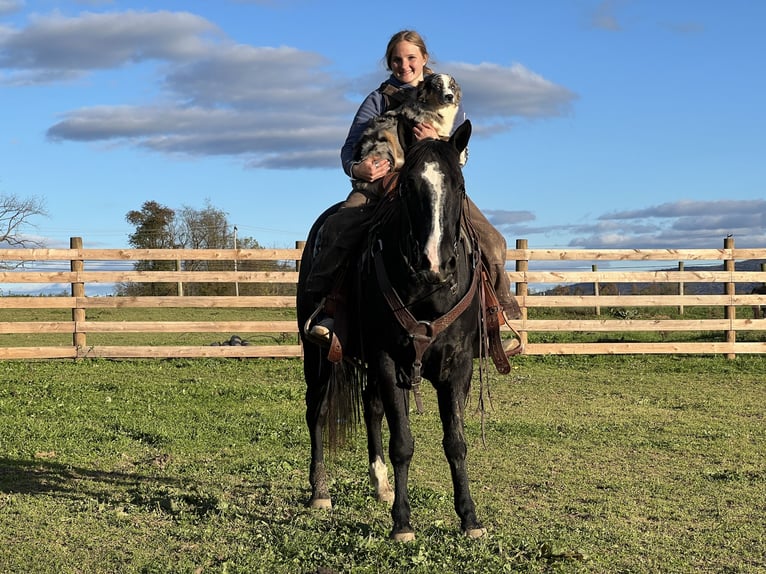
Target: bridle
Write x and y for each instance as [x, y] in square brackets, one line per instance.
[421, 332]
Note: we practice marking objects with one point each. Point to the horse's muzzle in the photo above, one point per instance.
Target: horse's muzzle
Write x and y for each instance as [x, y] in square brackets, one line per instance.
[440, 271]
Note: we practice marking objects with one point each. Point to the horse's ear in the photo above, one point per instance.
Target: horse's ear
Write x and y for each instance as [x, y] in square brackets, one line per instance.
[461, 136]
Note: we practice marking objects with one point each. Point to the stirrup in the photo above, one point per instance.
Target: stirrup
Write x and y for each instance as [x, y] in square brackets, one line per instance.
[323, 328]
[320, 333]
[513, 346]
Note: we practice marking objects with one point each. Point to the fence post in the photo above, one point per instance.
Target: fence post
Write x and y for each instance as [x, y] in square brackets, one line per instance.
[236, 283]
[596, 289]
[180, 284]
[681, 288]
[78, 292]
[759, 311]
[299, 245]
[522, 288]
[731, 310]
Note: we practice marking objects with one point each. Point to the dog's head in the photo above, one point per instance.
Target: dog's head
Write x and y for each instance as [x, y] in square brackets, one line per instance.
[438, 90]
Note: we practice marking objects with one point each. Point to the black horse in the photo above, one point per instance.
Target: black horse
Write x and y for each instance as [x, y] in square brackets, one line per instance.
[419, 316]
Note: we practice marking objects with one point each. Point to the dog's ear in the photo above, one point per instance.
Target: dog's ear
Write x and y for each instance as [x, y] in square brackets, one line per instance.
[455, 89]
[425, 88]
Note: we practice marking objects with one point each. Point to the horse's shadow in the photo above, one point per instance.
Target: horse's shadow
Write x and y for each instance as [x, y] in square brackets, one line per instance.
[39, 476]
[142, 488]
[119, 490]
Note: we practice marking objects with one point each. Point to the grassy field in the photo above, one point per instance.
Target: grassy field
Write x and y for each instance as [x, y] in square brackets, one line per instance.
[592, 464]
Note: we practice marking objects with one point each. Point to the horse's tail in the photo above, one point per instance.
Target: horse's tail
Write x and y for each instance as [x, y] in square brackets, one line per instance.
[344, 403]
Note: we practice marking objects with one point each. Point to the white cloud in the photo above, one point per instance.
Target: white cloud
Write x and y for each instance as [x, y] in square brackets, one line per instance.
[499, 93]
[100, 41]
[688, 224]
[10, 6]
[701, 224]
[273, 107]
[502, 218]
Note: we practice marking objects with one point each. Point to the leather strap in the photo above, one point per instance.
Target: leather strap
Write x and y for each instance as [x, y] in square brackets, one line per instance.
[422, 333]
[492, 317]
[335, 353]
[389, 183]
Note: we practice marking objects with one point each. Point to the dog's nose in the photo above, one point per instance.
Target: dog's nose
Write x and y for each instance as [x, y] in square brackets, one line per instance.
[449, 97]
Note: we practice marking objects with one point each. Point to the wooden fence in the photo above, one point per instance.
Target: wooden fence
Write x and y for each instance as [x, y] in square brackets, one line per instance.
[601, 310]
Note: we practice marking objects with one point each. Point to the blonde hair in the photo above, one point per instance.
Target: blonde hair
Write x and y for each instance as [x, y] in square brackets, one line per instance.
[412, 37]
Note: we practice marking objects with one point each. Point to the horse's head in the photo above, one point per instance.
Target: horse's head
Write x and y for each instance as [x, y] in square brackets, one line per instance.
[433, 192]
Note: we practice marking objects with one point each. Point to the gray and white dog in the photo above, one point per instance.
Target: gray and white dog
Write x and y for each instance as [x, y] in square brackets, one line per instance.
[436, 103]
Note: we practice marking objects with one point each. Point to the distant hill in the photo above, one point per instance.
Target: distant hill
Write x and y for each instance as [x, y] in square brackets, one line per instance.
[657, 289]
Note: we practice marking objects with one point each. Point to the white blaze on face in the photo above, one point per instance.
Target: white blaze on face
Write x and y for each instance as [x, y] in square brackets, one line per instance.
[435, 179]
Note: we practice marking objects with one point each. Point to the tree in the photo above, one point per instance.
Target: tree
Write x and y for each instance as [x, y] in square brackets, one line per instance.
[264, 265]
[159, 227]
[154, 227]
[206, 228]
[15, 214]
[154, 230]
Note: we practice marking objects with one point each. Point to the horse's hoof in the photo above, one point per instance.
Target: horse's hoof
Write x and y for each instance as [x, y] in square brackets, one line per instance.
[386, 496]
[402, 536]
[321, 503]
[475, 532]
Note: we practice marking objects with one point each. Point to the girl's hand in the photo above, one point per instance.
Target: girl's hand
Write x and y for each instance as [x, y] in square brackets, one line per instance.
[371, 168]
[424, 131]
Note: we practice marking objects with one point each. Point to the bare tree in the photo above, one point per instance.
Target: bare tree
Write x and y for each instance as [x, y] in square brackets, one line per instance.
[15, 214]
[206, 228]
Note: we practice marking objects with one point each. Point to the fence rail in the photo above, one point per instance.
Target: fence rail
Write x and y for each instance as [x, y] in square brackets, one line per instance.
[721, 332]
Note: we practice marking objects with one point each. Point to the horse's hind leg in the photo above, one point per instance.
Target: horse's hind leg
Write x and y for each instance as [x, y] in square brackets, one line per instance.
[316, 374]
[452, 397]
[373, 419]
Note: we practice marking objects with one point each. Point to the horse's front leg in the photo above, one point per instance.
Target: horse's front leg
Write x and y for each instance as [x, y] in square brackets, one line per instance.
[373, 419]
[452, 395]
[401, 447]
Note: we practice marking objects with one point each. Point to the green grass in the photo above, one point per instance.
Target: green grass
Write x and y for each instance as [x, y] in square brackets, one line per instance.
[592, 464]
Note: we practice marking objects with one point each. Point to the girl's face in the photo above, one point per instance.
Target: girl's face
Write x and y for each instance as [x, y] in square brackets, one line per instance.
[407, 62]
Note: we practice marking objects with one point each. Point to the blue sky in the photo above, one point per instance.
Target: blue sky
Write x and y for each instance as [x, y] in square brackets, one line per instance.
[597, 123]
